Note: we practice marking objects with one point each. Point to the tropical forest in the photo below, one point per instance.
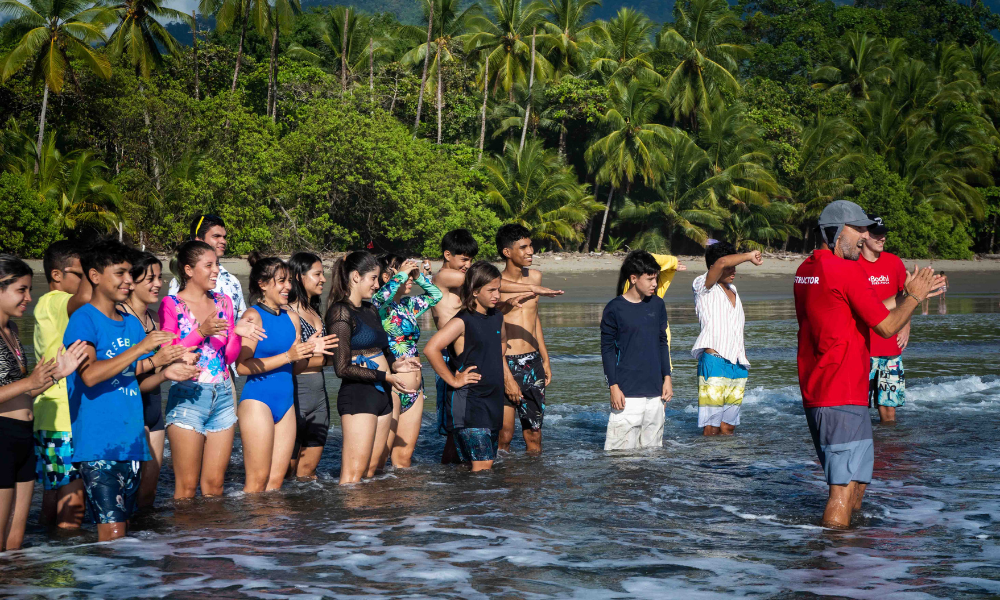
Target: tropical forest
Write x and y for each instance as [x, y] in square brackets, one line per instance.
[598, 127]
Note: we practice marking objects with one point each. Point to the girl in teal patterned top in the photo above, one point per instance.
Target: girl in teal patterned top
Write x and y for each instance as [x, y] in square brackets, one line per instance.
[399, 312]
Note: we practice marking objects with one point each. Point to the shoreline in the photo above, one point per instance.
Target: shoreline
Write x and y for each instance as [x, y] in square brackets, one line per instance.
[567, 263]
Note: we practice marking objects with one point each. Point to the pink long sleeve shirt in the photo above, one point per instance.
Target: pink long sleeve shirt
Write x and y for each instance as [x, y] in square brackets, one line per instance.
[217, 351]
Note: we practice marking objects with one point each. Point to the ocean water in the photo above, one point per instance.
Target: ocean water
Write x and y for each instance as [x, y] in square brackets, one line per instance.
[698, 518]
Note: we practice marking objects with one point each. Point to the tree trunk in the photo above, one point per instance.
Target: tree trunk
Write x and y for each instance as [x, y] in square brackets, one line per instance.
[585, 246]
[243, 35]
[531, 83]
[395, 92]
[194, 45]
[562, 140]
[604, 221]
[41, 127]
[149, 139]
[423, 78]
[371, 67]
[272, 80]
[805, 240]
[440, 95]
[343, 53]
[993, 234]
[486, 93]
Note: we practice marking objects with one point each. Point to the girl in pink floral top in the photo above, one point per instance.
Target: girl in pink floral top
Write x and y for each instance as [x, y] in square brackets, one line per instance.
[215, 352]
[201, 412]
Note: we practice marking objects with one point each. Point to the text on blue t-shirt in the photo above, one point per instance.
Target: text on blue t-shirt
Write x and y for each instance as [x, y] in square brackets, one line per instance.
[107, 418]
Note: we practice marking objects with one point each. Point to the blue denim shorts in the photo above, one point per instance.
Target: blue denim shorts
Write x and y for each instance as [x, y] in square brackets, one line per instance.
[201, 407]
[111, 487]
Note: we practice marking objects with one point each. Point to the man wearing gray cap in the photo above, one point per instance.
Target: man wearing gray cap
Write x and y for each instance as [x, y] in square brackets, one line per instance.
[836, 307]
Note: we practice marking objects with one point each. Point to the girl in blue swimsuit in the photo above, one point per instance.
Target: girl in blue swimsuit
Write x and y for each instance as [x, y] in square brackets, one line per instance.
[266, 414]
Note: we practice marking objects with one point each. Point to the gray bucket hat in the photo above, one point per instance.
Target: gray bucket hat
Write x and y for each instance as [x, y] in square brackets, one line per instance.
[839, 213]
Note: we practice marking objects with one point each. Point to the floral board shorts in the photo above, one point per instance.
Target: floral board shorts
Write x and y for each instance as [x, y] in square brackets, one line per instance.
[53, 451]
[529, 372]
[887, 382]
[112, 487]
[476, 443]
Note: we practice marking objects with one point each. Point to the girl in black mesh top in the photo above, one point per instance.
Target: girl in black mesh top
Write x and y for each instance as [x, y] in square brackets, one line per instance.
[362, 361]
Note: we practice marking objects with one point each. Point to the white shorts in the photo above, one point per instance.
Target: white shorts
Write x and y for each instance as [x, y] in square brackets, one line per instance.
[717, 415]
[638, 425]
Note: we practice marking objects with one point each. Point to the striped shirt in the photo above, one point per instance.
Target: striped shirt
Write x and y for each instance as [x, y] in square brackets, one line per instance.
[721, 322]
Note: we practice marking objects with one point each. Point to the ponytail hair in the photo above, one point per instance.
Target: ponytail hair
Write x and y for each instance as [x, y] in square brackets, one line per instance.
[298, 265]
[389, 264]
[143, 262]
[638, 263]
[340, 287]
[187, 255]
[478, 275]
[262, 270]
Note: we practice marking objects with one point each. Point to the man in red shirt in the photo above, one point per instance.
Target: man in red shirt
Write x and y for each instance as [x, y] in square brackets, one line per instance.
[837, 308]
[886, 273]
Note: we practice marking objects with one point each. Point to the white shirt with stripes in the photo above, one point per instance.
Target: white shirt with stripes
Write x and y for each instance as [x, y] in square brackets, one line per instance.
[721, 322]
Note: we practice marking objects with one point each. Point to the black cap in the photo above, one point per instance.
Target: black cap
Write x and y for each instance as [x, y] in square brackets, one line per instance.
[879, 227]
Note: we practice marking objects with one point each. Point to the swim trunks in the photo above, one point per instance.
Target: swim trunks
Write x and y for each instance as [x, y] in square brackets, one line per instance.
[112, 487]
[886, 382]
[476, 443]
[842, 436]
[529, 372]
[53, 453]
[720, 390]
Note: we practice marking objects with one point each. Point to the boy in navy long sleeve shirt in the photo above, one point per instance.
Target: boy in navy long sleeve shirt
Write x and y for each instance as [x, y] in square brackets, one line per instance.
[636, 357]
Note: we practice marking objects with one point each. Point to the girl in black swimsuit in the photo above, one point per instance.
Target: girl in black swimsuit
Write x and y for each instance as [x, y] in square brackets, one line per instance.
[362, 361]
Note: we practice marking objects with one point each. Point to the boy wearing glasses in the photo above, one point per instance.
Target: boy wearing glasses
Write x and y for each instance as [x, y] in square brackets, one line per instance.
[62, 499]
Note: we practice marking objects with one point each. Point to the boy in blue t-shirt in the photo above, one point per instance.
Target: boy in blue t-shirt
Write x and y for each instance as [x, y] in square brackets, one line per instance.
[105, 403]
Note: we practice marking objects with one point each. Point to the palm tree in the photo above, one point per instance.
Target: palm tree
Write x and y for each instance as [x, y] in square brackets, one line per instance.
[680, 207]
[281, 13]
[860, 65]
[52, 32]
[567, 35]
[349, 38]
[634, 146]
[236, 13]
[827, 162]
[138, 35]
[502, 41]
[623, 48]
[702, 40]
[533, 187]
[511, 115]
[449, 23]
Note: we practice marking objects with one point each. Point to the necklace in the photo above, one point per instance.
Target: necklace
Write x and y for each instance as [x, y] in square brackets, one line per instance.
[145, 319]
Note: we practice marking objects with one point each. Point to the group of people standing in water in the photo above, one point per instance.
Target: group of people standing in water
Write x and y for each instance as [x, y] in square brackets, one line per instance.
[88, 421]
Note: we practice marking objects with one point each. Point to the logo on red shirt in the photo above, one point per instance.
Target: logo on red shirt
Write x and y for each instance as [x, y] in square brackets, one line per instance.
[807, 280]
[880, 280]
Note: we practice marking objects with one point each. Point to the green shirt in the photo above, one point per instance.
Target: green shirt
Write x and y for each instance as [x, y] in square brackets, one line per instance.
[51, 318]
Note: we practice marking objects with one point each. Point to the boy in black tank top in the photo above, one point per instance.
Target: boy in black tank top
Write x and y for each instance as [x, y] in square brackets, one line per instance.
[476, 340]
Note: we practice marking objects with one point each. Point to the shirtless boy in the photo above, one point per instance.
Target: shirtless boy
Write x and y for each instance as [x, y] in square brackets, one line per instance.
[526, 355]
[459, 249]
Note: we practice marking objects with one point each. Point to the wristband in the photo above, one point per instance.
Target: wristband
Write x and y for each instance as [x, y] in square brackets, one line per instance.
[288, 358]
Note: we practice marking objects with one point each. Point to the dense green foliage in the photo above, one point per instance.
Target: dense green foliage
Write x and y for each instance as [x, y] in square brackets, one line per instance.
[333, 128]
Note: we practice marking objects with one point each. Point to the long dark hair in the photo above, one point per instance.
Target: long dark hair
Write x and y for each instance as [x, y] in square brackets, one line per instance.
[263, 269]
[12, 268]
[388, 263]
[340, 287]
[187, 255]
[298, 265]
[143, 262]
[638, 263]
[478, 275]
